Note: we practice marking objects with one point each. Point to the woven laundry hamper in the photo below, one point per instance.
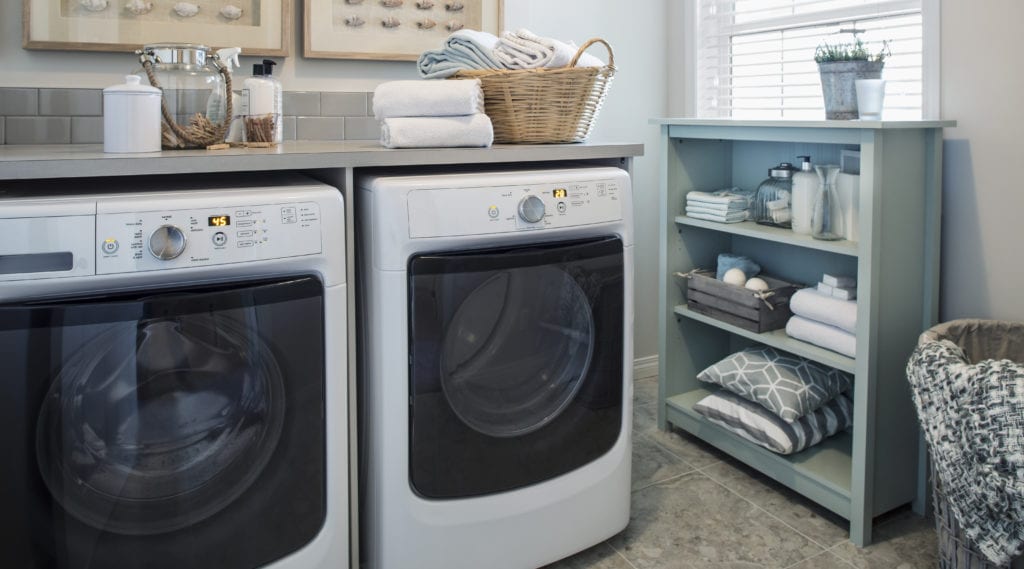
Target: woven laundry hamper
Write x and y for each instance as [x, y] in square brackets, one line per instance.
[537, 106]
[979, 340]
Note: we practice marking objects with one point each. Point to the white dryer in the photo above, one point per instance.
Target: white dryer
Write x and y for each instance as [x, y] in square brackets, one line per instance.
[497, 367]
[175, 385]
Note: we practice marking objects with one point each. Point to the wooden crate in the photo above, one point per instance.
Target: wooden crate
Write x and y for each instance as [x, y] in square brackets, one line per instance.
[737, 305]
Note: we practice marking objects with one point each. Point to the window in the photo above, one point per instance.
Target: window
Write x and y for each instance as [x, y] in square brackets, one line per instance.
[756, 57]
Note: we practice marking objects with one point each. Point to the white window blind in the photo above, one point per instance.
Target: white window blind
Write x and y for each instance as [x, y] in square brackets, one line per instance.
[756, 57]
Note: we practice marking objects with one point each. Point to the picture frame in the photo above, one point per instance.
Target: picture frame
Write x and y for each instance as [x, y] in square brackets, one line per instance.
[359, 29]
[260, 27]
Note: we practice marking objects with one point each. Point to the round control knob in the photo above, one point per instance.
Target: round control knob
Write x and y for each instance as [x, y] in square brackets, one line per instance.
[167, 242]
[531, 209]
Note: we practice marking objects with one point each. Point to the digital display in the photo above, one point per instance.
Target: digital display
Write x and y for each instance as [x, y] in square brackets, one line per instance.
[560, 193]
[219, 220]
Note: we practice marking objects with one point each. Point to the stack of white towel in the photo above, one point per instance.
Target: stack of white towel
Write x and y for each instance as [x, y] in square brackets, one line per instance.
[522, 49]
[825, 320]
[428, 114]
[731, 205]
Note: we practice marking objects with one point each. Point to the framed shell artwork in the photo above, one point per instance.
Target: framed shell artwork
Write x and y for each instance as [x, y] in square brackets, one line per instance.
[397, 30]
[259, 27]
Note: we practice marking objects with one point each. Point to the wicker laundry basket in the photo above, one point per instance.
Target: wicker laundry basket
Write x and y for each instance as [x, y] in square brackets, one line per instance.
[537, 106]
[980, 340]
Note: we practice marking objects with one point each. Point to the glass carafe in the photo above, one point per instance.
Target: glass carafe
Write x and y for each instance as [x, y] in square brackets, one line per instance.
[195, 84]
[827, 219]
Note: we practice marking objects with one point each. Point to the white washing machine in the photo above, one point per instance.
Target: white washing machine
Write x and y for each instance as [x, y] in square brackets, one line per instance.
[497, 366]
[175, 384]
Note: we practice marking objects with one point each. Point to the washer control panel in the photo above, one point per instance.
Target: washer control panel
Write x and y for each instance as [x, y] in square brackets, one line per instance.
[156, 240]
[449, 212]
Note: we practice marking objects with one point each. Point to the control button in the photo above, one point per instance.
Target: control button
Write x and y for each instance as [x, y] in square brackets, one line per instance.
[245, 223]
[243, 213]
[167, 242]
[110, 246]
[288, 215]
[531, 209]
[561, 207]
[220, 238]
[248, 233]
[245, 243]
[493, 212]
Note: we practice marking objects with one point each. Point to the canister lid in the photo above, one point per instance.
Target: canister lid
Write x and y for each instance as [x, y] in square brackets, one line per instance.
[783, 170]
[132, 86]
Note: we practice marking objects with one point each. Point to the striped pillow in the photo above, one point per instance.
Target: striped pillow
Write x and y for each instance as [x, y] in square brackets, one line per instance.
[758, 425]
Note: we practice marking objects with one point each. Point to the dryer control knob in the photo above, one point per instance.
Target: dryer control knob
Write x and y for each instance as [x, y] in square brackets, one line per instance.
[531, 209]
[167, 242]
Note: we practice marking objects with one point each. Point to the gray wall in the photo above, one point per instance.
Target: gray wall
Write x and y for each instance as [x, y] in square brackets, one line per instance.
[983, 216]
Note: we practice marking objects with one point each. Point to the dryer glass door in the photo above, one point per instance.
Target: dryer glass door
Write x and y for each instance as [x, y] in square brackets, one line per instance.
[516, 370]
[166, 428]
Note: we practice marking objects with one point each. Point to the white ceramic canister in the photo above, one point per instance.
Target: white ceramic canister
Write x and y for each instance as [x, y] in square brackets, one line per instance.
[131, 117]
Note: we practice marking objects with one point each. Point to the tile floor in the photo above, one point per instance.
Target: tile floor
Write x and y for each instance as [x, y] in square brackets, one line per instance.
[694, 507]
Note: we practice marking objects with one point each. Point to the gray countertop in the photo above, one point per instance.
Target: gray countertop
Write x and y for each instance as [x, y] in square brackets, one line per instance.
[89, 160]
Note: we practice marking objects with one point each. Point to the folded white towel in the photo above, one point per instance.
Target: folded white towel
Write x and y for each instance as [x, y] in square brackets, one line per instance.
[719, 207]
[730, 215]
[464, 49]
[731, 218]
[731, 197]
[820, 307]
[431, 132]
[823, 335]
[523, 49]
[428, 98]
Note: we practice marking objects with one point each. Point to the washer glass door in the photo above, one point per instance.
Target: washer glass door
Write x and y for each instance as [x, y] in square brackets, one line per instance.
[157, 429]
[516, 372]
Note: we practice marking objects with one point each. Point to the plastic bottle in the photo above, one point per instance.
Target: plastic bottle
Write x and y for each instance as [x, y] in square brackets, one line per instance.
[805, 188]
[264, 122]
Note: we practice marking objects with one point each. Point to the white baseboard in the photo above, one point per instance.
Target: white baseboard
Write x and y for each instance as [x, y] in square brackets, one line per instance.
[645, 367]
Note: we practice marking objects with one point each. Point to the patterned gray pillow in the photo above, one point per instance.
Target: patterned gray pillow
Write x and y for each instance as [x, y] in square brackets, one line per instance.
[786, 385]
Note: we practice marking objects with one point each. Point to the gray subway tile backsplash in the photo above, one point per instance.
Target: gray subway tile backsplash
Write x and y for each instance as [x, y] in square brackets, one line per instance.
[86, 130]
[343, 104]
[38, 130]
[62, 116]
[362, 128]
[19, 102]
[71, 102]
[319, 128]
[302, 103]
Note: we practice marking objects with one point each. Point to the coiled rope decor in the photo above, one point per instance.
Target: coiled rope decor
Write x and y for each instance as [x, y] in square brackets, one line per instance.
[200, 131]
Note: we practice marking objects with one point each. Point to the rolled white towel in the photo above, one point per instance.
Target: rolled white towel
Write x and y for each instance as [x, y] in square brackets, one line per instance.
[823, 335]
[814, 305]
[433, 132]
[428, 98]
[523, 49]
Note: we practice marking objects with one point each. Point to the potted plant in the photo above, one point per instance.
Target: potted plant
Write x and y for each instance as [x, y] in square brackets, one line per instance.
[840, 65]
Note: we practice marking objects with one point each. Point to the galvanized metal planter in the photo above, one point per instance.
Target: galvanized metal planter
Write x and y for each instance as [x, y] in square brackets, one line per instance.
[839, 88]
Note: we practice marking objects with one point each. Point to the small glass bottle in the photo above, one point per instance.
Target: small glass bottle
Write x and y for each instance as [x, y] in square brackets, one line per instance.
[774, 196]
[827, 219]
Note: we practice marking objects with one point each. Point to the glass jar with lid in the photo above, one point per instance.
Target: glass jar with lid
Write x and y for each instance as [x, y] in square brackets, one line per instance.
[774, 197]
[196, 108]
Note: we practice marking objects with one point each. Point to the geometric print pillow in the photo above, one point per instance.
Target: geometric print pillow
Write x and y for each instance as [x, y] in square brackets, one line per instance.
[786, 385]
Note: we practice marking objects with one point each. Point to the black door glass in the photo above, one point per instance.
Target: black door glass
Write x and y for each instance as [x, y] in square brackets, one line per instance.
[159, 424]
[165, 428]
[516, 350]
[516, 368]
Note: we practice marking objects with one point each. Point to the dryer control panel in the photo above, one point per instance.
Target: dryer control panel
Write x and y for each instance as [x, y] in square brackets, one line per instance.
[450, 212]
[167, 239]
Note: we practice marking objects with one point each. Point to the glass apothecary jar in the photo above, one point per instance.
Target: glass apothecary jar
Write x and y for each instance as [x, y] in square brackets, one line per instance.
[772, 202]
[196, 110]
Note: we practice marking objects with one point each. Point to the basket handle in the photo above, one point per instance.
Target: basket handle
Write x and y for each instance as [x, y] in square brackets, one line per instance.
[590, 42]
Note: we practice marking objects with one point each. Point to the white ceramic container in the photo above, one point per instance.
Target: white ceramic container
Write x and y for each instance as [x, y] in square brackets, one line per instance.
[131, 117]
